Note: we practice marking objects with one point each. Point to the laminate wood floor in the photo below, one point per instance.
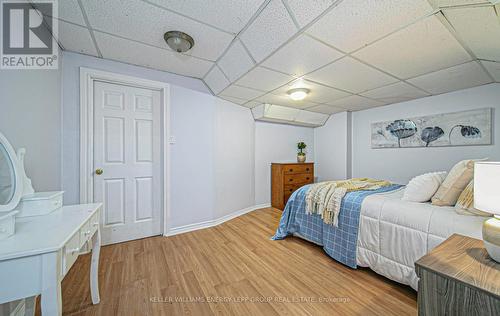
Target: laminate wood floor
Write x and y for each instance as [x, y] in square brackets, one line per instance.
[230, 269]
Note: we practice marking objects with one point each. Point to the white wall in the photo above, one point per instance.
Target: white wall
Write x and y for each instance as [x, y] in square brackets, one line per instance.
[192, 112]
[192, 181]
[332, 154]
[212, 160]
[401, 164]
[30, 117]
[234, 158]
[277, 143]
[71, 106]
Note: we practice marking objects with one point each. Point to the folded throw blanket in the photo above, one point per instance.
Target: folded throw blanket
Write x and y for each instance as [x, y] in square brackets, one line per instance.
[325, 198]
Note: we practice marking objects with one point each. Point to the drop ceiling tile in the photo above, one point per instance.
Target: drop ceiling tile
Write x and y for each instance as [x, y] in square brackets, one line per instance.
[455, 78]
[263, 79]
[318, 93]
[355, 103]
[394, 93]
[235, 62]
[233, 99]
[326, 109]
[69, 10]
[241, 92]
[451, 3]
[229, 15]
[356, 23]
[351, 75]
[285, 101]
[119, 49]
[76, 38]
[418, 49]
[479, 27]
[302, 55]
[216, 80]
[269, 30]
[147, 23]
[493, 68]
[305, 11]
[252, 104]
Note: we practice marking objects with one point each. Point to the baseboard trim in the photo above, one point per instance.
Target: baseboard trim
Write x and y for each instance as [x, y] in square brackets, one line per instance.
[206, 224]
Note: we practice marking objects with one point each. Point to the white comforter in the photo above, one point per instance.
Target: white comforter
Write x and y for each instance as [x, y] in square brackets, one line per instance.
[393, 234]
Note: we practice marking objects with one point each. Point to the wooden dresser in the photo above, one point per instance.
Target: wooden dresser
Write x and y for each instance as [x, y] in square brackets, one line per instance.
[286, 178]
[458, 278]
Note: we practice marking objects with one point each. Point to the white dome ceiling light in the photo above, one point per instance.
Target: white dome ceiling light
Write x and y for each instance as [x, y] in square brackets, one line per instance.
[179, 41]
[298, 94]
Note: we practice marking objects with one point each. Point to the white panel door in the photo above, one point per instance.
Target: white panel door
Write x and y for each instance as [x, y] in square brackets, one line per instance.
[127, 161]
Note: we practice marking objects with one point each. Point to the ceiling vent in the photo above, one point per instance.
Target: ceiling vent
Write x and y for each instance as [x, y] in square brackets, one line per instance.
[286, 115]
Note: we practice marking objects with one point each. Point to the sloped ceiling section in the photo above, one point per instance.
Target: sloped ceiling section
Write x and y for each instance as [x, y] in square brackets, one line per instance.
[351, 54]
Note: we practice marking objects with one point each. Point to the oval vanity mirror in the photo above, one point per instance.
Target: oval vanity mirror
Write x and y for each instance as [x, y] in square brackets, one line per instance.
[11, 187]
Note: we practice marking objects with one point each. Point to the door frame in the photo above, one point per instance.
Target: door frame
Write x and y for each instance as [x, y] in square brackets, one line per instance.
[87, 78]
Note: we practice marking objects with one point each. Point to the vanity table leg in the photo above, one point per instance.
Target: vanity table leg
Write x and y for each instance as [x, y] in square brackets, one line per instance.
[51, 285]
[94, 267]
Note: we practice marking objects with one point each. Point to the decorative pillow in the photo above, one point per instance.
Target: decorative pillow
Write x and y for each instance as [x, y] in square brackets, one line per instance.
[456, 181]
[465, 203]
[423, 187]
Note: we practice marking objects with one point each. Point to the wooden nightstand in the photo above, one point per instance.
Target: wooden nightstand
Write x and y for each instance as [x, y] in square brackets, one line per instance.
[458, 278]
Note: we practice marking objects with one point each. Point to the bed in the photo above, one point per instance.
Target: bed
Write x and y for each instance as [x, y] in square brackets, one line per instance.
[380, 231]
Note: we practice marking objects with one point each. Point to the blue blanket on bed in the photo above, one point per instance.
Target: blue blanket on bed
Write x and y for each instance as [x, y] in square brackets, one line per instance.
[340, 242]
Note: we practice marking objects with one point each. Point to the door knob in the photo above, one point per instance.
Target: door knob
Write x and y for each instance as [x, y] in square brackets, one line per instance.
[99, 171]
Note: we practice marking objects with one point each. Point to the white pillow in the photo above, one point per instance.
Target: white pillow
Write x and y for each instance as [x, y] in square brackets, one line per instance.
[423, 187]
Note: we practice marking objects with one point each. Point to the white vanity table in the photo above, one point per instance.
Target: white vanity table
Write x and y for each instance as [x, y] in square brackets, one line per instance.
[36, 259]
[40, 240]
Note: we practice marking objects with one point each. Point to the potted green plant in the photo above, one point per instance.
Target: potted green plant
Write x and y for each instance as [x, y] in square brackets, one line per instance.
[301, 155]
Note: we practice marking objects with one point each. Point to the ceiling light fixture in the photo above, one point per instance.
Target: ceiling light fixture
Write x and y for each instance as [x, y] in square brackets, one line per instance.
[298, 94]
[179, 41]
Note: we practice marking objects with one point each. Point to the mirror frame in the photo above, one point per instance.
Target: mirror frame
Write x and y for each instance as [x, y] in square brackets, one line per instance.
[18, 190]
